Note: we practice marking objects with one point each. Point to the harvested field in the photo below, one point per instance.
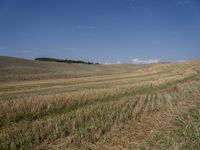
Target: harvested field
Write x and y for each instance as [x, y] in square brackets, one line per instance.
[102, 107]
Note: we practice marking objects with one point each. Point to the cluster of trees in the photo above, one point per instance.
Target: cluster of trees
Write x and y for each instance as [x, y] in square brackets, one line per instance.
[64, 60]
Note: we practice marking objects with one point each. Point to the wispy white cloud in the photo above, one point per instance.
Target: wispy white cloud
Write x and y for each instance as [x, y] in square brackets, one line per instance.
[180, 61]
[139, 61]
[64, 48]
[118, 62]
[112, 63]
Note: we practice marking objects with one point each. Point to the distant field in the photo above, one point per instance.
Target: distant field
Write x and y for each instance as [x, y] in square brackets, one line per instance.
[12, 69]
[50, 105]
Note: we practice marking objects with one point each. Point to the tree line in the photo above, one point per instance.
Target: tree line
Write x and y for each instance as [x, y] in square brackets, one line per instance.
[64, 60]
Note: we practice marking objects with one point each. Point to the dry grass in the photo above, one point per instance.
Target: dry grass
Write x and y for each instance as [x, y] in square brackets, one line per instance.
[119, 108]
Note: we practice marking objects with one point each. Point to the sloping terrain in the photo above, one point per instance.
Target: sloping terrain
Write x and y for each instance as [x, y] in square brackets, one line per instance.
[152, 107]
[12, 69]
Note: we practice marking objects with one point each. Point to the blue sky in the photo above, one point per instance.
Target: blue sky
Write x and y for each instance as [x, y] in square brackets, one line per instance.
[101, 30]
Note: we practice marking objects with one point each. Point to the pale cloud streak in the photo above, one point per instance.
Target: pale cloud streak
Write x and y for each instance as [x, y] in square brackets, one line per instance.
[64, 48]
[150, 61]
[118, 62]
[112, 63]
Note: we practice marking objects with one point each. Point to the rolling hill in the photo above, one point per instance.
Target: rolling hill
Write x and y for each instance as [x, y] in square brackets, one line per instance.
[12, 68]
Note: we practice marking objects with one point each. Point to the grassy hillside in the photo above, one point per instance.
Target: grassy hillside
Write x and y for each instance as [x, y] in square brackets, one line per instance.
[102, 107]
[12, 69]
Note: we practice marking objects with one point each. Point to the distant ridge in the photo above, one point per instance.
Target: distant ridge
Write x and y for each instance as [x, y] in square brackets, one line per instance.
[64, 60]
[13, 68]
